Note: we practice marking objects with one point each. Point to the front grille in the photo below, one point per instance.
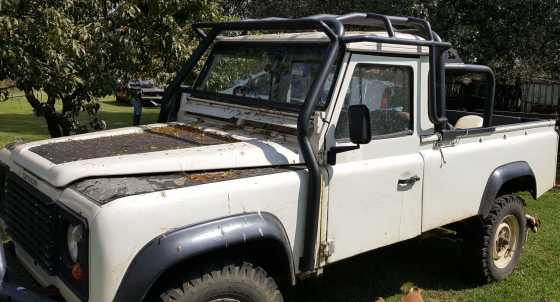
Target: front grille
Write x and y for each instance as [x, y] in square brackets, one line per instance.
[31, 221]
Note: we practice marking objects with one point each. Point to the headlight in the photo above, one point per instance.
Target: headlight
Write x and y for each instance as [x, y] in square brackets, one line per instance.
[74, 235]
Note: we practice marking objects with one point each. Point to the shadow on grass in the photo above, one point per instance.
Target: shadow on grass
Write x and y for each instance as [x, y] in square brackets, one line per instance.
[23, 124]
[436, 262]
[124, 119]
[118, 104]
[120, 114]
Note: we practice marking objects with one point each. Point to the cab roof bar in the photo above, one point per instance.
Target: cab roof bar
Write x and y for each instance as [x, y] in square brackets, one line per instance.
[306, 23]
[385, 22]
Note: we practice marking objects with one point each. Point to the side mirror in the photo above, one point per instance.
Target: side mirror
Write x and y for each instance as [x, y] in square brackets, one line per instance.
[359, 124]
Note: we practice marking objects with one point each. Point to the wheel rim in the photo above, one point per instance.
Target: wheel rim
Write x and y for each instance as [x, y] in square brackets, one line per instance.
[224, 300]
[505, 241]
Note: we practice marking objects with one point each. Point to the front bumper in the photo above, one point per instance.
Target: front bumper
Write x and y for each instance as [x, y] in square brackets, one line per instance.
[17, 289]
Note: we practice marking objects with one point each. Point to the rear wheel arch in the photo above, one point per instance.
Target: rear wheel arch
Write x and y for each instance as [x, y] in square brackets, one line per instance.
[241, 237]
[507, 179]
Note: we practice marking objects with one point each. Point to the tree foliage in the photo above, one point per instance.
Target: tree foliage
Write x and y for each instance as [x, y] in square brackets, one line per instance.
[75, 51]
[519, 39]
[152, 39]
[53, 47]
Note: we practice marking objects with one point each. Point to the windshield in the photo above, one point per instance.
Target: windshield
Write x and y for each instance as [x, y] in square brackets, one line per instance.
[268, 74]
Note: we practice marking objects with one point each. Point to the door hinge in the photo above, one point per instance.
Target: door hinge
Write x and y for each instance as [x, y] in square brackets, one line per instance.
[326, 249]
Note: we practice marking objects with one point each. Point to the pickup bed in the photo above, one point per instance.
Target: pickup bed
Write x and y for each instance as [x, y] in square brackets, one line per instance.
[290, 151]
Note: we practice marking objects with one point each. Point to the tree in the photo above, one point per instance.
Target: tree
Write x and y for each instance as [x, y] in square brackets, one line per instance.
[519, 39]
[75, 51]
[55, 47]
[152, 39]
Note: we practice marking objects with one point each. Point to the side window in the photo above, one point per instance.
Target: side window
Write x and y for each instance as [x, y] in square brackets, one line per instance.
[466, 94]
[387, 92]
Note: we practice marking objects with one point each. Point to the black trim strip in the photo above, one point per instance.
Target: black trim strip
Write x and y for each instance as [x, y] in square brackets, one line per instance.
[499, 177]
[473, 131]
[4, 170]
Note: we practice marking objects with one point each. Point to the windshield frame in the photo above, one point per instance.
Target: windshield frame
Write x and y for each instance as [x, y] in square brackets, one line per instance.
[252, 102]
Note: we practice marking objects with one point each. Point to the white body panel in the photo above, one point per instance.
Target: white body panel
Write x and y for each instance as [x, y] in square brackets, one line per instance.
[368, 209]
[135, 220]
[456, 175]
[365, 207]
[119, 229]
[248, 152]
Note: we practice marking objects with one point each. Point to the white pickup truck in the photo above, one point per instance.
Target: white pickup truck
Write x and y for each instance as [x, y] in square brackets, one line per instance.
[290, 151]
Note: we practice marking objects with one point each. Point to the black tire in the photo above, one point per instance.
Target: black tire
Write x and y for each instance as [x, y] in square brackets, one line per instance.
[232, 283]
[506, 215]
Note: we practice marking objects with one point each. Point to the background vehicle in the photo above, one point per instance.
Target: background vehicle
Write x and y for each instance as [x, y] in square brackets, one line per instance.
[150, 95]
[246, 189]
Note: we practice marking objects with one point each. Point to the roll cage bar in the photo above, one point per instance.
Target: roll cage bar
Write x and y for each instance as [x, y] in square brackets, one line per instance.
[333, 27]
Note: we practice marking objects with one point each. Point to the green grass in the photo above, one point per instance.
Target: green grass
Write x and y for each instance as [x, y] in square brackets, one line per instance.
[436, 263]
[17, 120]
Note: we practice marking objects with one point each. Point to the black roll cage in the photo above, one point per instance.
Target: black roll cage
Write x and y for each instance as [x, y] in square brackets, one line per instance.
[491, 81]
[333, 27]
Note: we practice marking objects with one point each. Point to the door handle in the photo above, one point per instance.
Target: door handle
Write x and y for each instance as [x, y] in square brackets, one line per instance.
[408, 181]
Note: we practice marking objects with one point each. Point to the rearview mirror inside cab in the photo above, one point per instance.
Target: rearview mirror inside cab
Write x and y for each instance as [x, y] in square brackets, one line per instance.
[359, 124]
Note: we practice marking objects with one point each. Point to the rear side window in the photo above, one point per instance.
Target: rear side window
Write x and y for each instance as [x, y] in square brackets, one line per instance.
[387, 92]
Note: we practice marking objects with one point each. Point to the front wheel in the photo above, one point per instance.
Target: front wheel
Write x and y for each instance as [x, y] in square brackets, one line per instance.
[232, 283]
[502, 238]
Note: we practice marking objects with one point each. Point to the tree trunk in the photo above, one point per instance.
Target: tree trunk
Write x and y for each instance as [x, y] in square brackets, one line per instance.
[67, 108]
[46, 110]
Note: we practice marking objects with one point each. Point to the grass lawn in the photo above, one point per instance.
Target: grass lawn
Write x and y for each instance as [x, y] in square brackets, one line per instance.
[17, 119]
[435, 264]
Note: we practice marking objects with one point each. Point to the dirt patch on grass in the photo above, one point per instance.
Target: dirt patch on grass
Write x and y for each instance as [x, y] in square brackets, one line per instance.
[157, 139]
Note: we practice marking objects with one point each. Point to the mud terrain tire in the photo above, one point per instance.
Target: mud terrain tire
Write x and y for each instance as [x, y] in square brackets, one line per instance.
[232, 283]
[502, 238]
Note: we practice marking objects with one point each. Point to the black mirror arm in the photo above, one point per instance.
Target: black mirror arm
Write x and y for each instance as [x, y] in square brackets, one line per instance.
[333, 151]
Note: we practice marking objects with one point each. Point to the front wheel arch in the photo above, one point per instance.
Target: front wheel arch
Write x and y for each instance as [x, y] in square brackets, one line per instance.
[220, 236]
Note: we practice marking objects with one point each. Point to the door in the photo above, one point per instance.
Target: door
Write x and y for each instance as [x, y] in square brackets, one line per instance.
[375, 191]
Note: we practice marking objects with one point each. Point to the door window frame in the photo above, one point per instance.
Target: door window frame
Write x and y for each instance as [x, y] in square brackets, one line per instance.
[372, 61]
